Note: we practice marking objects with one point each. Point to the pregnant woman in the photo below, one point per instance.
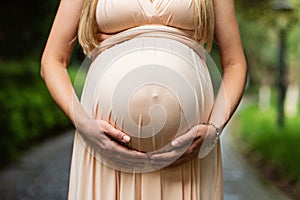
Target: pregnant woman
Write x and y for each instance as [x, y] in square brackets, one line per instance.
[153, 106]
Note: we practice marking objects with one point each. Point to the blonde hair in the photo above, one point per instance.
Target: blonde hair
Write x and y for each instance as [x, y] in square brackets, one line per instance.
[203, 20]
[87, 30]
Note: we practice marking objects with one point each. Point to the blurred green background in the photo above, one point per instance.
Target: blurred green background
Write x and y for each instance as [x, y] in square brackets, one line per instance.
[28, 113]
[271, 39]
[266, 128]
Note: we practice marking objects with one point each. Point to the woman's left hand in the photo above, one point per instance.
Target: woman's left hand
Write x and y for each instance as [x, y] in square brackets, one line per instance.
[183, 148]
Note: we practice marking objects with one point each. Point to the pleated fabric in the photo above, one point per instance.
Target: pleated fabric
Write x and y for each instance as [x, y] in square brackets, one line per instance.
[197, 179]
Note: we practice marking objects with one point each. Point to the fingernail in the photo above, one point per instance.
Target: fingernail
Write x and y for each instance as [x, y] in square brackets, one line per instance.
[174, 143]
[126, 138]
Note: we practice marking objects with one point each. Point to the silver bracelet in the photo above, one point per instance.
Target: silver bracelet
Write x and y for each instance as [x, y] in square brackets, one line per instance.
[218, 130]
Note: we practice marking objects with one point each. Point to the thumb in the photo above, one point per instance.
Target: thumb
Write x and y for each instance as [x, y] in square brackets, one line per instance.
[186, 137]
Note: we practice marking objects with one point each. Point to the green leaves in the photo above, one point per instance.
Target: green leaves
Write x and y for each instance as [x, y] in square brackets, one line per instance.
[260, 35]
[28, 113]
[277, 147]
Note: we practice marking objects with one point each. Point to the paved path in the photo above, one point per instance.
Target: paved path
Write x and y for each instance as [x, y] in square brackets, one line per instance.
[42, 174]
[241, 181]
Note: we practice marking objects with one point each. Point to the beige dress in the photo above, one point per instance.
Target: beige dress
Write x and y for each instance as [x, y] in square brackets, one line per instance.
[156, 34]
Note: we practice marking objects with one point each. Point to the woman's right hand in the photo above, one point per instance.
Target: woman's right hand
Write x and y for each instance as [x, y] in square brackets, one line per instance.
[107, 140]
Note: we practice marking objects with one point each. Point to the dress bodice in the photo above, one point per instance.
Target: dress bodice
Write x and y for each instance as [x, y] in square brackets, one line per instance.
[114, 16]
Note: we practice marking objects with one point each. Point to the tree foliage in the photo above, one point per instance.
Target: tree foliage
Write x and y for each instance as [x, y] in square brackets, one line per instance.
[24, 26]
[258, 23]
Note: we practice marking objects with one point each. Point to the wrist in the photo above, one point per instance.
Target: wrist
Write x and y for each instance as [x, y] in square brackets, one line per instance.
[83, 124]
[218, 129]
[212, 136]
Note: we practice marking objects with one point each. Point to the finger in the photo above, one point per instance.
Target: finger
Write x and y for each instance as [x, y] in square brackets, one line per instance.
[167, 156]
[173, 152]
[113, 132]
[118, 162]
[131, 154]
[185, 138]
[177, 156]
[109, 147]
[188, 137]
[188, 155]
[129, 158]
[125, 153]
[119, 155]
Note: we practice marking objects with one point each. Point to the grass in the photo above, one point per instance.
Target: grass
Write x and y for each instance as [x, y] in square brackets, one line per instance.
[271, 146]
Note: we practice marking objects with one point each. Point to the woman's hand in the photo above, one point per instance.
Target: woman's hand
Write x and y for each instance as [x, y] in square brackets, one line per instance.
[107, 141]
[183, 148]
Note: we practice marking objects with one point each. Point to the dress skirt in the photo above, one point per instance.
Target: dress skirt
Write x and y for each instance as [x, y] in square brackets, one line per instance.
[122, 79]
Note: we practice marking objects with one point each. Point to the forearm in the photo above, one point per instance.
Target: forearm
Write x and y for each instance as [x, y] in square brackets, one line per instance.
[234, 84]
[230, 93]
[57, 54]
[232, 59]
[60, 87]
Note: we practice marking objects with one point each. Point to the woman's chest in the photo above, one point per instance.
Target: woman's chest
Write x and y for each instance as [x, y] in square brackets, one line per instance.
[117, 15]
